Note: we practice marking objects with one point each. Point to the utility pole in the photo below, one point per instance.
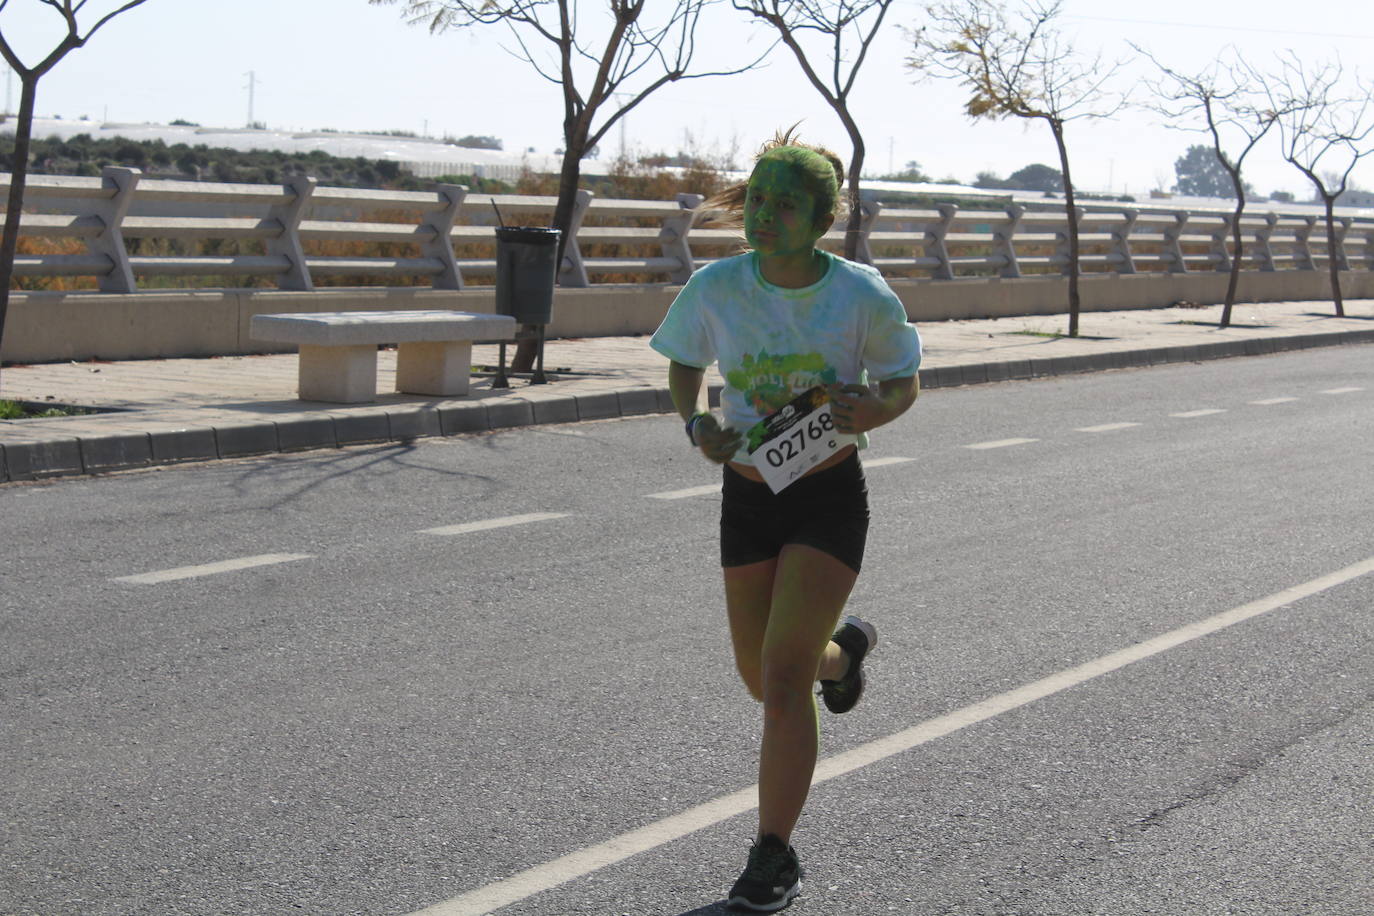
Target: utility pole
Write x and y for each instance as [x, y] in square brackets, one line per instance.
[252, 84]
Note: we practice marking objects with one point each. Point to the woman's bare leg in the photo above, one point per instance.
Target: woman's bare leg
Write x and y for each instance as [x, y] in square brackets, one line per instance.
[810, 588]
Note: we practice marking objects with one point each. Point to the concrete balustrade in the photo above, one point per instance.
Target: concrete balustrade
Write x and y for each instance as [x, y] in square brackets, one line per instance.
[943, 261]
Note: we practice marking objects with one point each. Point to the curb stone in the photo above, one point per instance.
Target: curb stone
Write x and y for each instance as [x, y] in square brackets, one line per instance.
[58, 457]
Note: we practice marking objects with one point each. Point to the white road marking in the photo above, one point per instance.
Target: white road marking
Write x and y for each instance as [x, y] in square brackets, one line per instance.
[884, 462]
[1001, 443]
[714, 488]
[687, 493]
[1267, 402]
[484, 900]
[1205, 412]
[1105, 427]
[1341, 390]
[210, 569]
[508, 521]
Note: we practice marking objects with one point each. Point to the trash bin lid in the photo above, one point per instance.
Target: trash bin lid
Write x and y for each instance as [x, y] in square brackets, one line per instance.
[529, 235]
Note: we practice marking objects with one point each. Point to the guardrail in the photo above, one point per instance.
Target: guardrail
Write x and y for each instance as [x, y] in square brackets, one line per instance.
[292, 234]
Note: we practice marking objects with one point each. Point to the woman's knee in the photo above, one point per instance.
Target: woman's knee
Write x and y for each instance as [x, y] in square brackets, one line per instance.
[786, 682]
[752, 675]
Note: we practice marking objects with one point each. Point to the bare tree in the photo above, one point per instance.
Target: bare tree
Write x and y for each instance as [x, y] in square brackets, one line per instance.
[1226, 98]
[23, 128]
[1019, 69]
[603, 74]
[1317, 127]
[837, 23]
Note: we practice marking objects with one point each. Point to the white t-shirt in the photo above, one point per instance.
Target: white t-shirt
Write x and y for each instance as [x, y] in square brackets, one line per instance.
[774, 343]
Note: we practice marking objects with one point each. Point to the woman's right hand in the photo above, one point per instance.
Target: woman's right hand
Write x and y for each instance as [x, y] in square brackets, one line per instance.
[717, 443]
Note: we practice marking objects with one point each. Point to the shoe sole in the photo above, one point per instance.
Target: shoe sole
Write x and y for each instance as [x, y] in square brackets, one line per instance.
[870, 631]
[871, 634]
[741, 903]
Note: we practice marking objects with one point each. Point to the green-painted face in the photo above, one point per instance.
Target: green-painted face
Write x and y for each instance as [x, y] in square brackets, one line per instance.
[779, 214]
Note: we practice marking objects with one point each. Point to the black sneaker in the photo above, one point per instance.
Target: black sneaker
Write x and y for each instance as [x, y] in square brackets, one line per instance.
[770, 880]
[856, 637]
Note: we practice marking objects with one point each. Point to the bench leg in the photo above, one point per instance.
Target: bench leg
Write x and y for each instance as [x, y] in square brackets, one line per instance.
[342, 375]
[441, 368]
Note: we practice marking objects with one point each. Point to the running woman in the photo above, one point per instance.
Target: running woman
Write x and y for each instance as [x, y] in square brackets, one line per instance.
[800, 336]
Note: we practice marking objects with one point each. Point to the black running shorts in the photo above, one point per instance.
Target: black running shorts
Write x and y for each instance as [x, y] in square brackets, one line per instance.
[827, 510]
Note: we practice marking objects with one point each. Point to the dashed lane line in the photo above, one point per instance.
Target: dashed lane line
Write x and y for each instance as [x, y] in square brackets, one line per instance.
[210, 569]
[489, 524]
[1205, 412]
[1105, 427]
[1341, 390]
[1269, 402]
[713, 488]
[687, 493]
[540, 878]
[884, 462]
[1000, 443]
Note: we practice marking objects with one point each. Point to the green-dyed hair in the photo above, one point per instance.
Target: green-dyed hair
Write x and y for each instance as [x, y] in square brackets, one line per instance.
[820, 172]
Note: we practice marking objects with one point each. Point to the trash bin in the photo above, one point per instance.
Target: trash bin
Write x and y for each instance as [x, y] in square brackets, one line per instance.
[526, 270]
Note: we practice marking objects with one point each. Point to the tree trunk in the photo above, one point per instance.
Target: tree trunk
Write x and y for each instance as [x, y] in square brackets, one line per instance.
[1071, 211]
[856, 165]
[570, 173]
[1234, 281]
[9, 245]
[1333, 261]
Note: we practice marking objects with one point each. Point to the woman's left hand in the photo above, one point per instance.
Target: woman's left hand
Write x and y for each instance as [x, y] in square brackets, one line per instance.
[856, 408]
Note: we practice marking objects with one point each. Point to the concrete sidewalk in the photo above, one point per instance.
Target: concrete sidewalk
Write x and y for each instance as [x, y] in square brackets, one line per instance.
[167, 411]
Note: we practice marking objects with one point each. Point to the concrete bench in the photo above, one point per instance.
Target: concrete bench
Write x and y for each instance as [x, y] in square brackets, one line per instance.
[338, 350]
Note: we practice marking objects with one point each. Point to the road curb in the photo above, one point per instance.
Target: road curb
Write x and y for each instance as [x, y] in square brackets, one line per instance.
[86, 455]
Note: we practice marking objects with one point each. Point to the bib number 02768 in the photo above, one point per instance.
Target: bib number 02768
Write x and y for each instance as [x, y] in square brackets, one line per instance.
[795, 438]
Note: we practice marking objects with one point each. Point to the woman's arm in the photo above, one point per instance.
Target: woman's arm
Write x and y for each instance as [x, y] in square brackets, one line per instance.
[685, 386]
[690, 398]
[857, 409]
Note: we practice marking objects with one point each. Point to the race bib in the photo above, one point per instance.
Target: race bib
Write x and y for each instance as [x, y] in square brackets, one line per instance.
[795, 438]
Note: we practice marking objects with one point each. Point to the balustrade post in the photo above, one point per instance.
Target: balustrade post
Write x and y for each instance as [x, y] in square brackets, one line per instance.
[1173, 248]
[1342, 230]
[1005, 239]
[572, 272]
[1302, 237]
[1121, 243]
[1264, 252]
[110, 242]
[440, 244]
[287, 243]
[673, 236]
[868, 215]
[1221, 255]
[934, 245]
[1061, 250]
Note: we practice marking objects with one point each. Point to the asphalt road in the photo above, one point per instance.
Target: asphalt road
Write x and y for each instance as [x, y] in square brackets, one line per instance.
[291, 685]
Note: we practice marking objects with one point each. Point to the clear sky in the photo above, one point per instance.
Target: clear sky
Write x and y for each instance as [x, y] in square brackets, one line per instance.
[348, 65]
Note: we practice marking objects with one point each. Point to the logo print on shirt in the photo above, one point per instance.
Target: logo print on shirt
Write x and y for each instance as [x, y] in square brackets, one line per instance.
[769, 380]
